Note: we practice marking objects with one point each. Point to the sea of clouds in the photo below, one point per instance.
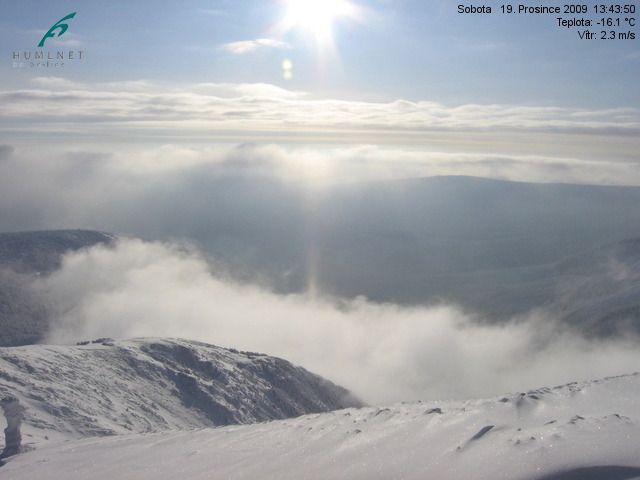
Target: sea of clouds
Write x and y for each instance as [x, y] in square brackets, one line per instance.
[382, 352]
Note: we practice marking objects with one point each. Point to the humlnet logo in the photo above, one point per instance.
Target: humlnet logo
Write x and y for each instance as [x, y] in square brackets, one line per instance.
[48, 58]
[63, 27]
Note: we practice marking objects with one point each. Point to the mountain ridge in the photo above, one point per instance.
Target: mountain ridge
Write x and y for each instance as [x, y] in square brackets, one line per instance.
[25, 256]
[108, 387]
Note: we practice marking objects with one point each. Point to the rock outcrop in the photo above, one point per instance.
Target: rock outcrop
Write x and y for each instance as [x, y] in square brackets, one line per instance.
[13, 413]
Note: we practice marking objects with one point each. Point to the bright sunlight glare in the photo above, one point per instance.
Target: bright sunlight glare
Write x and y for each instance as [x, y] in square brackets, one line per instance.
[316, 16]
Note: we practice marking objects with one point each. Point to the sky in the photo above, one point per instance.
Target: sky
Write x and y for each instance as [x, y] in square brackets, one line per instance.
[415, 75]
[387, 50]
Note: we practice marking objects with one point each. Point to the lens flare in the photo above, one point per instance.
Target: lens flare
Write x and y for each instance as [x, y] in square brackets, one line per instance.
[316, 16]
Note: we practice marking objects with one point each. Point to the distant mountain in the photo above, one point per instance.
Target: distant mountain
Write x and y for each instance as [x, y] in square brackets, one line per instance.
[24, 255]
[457, 239]
[470, 241]
[599, 290]
[497, 249]
[580, 431]
[596, 291]
[148, 385]
[41, 251]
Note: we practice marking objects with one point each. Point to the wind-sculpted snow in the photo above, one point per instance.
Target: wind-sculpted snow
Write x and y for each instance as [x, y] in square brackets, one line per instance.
[586, 431]
[111, 387]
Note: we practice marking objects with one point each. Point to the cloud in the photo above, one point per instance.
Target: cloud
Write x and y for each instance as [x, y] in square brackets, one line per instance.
[384, 353]
[633, 55]
[232, 193]
[250, 109]
[247, 90]
[168, 189]
[53, 82]
[68, 40]
[248, 46]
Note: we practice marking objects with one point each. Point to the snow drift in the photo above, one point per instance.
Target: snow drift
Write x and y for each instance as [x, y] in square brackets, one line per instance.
[583, 431]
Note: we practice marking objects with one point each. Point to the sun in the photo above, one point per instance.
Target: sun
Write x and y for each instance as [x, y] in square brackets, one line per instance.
[316, 16]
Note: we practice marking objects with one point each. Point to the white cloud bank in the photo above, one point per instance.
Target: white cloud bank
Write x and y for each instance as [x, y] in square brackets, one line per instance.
[248, 109]
[145, 190]
[54, 110]
[382, 352]
[247, 46]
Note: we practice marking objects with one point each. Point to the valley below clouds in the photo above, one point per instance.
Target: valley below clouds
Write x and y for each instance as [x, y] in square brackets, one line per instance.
[384, 352]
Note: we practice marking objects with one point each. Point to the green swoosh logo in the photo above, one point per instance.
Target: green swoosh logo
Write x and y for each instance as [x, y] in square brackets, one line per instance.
[57, 26]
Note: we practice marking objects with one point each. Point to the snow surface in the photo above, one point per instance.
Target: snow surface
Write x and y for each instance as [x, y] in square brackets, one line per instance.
[583, 431]
[148, 385]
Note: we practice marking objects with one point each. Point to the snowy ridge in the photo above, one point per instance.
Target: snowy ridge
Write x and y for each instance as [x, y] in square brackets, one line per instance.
[587, 430]
[148, 385]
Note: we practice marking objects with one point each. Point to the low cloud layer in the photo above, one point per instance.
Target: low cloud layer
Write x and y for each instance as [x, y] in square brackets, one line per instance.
[346, 140]
[167, 190]
[192, 109]
[382, 352]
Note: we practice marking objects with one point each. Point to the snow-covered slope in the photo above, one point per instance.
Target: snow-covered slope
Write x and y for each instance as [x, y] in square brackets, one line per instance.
[578, 431]
[149, 385]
